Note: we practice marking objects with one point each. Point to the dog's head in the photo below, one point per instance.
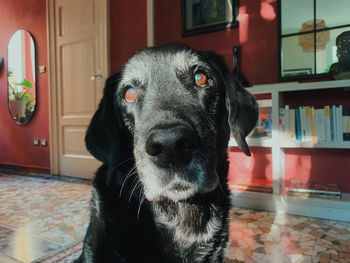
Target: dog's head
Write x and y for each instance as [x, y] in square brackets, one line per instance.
[176, 107]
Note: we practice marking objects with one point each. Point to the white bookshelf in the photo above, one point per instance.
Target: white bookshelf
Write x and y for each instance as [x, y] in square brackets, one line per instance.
[268, 142]
[312, 207]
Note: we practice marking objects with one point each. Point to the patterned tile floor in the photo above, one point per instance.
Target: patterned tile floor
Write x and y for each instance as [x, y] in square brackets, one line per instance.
[258, 236]
[39, 215]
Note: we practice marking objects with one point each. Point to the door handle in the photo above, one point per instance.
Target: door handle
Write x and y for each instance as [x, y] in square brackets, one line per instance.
[97, 76]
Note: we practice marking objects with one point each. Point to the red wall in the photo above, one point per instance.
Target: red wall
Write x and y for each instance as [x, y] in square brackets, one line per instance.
[16, 141]
[128, 30]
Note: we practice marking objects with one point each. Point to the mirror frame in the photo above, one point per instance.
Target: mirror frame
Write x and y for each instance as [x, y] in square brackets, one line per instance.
[35, 75]
[314, 31]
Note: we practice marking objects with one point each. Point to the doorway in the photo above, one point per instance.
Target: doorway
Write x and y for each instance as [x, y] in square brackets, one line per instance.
[78, 67]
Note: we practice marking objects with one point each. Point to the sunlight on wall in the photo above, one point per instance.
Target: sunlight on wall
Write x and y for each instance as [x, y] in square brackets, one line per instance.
[267, 11]
[301, 166]
[243, 19]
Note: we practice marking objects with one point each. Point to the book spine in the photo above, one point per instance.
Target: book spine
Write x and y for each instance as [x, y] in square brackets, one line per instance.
[313, 125]
[291, 124]
[332, 121]
[312, 191]
[327, 122]
[298, 124]
[251, 188]
[307, 123]
[283, 123]
[340, 123]
[321, 196]
[346, 124]
[320, 125]
[302, 122]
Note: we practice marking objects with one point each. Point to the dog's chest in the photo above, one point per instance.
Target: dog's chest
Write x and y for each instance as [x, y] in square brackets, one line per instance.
[190, 229]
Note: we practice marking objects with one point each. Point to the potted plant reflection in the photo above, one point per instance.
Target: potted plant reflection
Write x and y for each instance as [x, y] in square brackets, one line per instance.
[21, 100]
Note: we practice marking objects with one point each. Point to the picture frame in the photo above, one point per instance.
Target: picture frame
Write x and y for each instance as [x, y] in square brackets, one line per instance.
[202, 16]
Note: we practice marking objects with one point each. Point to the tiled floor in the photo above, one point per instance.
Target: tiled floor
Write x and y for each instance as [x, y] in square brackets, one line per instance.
[39, 216]
[258, 236]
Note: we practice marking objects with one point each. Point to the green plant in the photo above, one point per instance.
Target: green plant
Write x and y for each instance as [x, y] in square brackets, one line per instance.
[20, 91]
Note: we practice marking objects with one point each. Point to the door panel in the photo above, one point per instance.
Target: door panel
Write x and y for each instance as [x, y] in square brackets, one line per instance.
[78, 91]
[72, 143]
[76, 16]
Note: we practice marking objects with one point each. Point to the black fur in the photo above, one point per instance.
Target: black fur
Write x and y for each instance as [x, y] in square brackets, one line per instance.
[165, 227]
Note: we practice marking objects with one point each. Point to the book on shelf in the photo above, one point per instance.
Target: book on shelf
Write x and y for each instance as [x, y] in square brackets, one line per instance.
[346, 124]
[314, 195]
[327, 117]
[313, 125]
[314, 190]
[320, 124]
[252, 186]
[307, 123]
[340, 129]
[298, 125]
[263, 126]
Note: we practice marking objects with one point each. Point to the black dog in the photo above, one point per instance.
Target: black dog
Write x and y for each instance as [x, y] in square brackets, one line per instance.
[161, 131]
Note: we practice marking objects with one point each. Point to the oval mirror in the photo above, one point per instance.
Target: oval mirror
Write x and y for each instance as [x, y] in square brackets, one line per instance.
[21, 76]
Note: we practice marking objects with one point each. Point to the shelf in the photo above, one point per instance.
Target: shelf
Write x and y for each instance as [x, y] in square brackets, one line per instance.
[308, 144]
[254, 142]
[297, 86]
[314, 207]
[268, 142]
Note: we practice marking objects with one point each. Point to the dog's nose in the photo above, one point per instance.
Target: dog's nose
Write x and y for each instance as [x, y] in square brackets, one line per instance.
[171, 146]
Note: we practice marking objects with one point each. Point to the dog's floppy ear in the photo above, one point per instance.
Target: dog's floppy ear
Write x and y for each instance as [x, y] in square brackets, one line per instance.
[242, 112]
[241, 105]
[103, 136]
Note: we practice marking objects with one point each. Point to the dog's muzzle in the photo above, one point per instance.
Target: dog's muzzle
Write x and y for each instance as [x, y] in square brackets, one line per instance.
[171, 147]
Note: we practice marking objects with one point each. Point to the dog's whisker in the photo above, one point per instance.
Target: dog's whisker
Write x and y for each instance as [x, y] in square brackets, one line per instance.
[131, 172]
[137, 185]
[141, 192]
[132, 169]
[125, 180]
[119, 164]
[218, 181]
[139, 209]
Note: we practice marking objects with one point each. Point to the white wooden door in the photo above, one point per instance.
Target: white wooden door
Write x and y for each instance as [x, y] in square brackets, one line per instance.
[79, 65]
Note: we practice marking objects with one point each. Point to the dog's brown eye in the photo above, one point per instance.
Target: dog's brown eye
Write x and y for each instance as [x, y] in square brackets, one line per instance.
[201, 79]
[131, 94]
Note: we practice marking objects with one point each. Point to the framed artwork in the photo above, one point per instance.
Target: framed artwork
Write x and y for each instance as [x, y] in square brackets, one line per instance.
[201, 16]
